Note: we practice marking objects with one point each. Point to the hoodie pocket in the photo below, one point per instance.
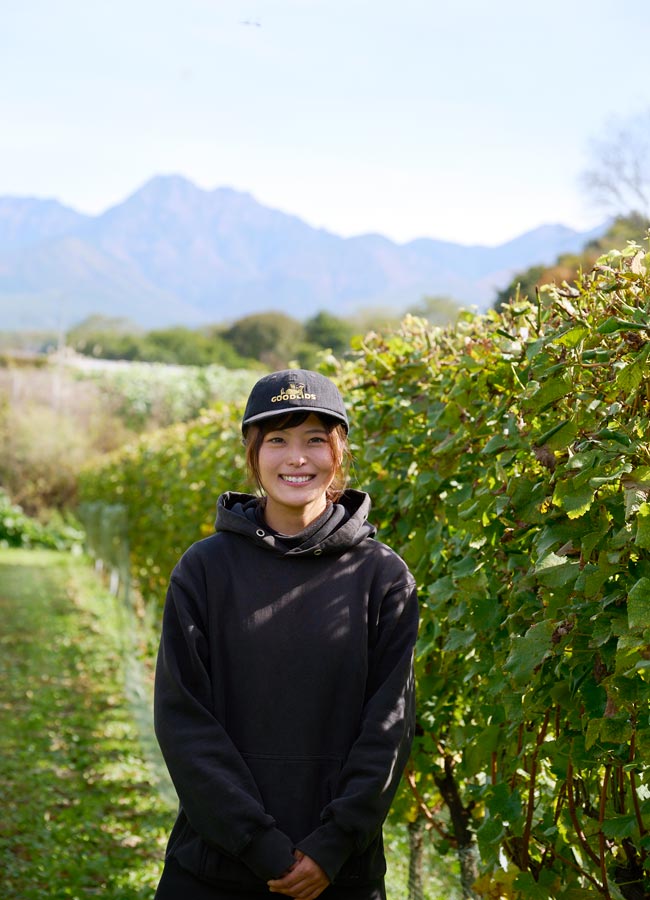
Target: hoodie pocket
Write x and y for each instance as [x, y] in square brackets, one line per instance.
[212, 865]
[221, 869]
[295, 790]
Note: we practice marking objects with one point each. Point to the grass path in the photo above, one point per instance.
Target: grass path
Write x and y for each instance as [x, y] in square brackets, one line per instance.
[83, 810]
[80, 815]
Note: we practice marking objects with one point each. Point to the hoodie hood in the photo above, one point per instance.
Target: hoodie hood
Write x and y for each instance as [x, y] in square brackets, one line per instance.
[344, 525]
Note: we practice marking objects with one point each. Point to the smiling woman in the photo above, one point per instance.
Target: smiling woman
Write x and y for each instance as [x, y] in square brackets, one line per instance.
[296, 469]
[284, 685]
[305, 453]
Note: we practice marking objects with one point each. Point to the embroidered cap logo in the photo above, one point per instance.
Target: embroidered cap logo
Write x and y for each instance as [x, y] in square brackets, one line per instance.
[293, 391]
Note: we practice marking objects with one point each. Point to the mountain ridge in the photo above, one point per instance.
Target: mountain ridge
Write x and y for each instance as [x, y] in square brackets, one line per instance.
[173, 253]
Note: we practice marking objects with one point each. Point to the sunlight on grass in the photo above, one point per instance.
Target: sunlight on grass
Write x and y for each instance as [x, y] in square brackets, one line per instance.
[80, 814]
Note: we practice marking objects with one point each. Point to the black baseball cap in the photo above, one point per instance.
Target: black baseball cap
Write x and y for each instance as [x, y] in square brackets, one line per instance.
[294, 390]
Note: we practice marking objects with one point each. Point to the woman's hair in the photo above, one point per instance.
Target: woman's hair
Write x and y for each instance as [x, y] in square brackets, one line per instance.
[256, 432]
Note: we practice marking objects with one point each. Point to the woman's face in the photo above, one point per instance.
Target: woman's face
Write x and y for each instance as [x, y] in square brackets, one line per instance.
[296, 467]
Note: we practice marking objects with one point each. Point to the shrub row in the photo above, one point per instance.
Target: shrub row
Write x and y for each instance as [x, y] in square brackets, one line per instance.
[160, 493]
[20, 530]
[509, 462]
[510, 465]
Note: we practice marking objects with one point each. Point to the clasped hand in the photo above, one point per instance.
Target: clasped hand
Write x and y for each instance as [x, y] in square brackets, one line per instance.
[305, 880]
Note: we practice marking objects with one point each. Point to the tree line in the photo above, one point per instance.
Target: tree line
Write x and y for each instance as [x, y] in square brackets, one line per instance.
[272, 339]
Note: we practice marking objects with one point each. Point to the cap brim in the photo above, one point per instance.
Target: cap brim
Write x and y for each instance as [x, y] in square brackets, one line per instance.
[294, 409]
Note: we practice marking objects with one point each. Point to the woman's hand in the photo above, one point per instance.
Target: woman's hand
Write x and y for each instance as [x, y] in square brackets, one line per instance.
[305, 880]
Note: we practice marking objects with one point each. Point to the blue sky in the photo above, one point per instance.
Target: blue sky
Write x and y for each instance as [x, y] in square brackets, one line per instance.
[462, 120]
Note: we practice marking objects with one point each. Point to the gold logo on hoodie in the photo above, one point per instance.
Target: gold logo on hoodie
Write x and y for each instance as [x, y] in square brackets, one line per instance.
[293, 391]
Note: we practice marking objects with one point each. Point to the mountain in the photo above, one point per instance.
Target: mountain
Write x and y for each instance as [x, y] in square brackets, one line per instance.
[172, 253]
[25, 221]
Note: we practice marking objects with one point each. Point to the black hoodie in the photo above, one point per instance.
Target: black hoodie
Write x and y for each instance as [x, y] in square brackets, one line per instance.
[284, 696]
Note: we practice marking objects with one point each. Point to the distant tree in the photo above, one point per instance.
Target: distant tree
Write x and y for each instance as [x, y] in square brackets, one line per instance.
[188, 347]
[97, 323]
[109, 345]
[307, 355]
[623, 229]
[375, 318]
[618, 179]
[437, 310]
[107, 338]
[271, 337]
[329, 332]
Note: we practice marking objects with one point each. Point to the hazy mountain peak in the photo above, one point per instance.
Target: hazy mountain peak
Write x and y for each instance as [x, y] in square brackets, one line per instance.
[25, 221]
[172, 252]
[163, 188]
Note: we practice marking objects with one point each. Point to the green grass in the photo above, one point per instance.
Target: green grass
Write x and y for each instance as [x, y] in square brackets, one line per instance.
[85, 806]
[80, 815]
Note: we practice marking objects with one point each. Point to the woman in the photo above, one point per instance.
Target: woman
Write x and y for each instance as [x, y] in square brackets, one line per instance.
[284, 686]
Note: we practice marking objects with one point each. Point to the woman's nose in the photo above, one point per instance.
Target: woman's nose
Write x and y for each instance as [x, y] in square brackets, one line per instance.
[296, 458]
